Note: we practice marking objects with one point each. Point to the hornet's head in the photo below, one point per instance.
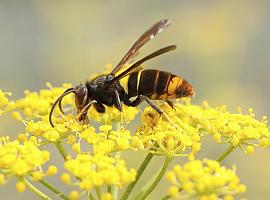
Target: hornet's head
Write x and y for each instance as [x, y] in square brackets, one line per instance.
[81, 99]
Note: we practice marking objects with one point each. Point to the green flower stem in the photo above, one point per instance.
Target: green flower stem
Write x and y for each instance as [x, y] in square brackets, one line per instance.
[91, 197]
[115, 192]
[155, 182]
[35, 190]
[169, 196]
[61, 150]
[166, 197]
[53, 189]
[140, 171]
[109, 188]
[226, 153]
[98, 191]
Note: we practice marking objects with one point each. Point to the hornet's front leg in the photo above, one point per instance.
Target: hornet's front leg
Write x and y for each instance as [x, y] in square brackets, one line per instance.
[82, 115]
[119, 106]
[100, 108]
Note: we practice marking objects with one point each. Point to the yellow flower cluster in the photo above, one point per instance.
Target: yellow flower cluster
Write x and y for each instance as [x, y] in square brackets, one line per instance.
[107, 140]
[43, 129]
[203, 179]
[35, 104]
[113, 115]
[225, 127]
[161, 136]
[98, 170]
[65, 126]
[4, 103]
[21, 158]
[178, 133]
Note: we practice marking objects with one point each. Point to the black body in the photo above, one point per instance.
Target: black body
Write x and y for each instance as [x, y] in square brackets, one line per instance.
[153, 84]
[101, 90]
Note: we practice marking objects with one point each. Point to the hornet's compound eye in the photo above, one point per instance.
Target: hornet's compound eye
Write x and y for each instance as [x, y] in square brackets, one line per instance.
[81, 97]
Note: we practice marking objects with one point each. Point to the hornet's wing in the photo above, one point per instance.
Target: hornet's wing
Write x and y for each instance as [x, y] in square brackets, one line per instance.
[143, 39]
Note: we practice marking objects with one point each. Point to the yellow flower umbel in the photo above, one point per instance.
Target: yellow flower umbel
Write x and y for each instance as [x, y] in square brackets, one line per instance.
[237, 129]
[22, 158]
[112, 115]
[162, 137]
[97, 171]
[106, 140]
[4, 102]
[94, 162]
[36, 104]
[65, 127]
[205, 180]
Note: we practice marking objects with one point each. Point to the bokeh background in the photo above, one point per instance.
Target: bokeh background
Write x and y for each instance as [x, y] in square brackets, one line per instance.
[223, 50]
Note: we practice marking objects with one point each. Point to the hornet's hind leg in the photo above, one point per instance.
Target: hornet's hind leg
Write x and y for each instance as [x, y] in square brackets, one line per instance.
[141, 98]
[170, 103]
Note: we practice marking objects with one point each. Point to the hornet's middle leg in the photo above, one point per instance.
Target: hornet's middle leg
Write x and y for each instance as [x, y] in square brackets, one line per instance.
[170, 103]
[141, 98]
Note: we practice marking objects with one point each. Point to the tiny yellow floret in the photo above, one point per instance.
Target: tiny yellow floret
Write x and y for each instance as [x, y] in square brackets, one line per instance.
[74, 195]
[2, 179]
[249, 149]
[20, 186]
[65, 178]
[105, 128]
[76, 147]
[52, 170]
[37, 175]
[22, 137]
[173, 191]
[107, 196]
[71, 139]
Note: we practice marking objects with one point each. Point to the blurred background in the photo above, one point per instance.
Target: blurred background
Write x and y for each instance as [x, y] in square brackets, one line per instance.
[223, 50]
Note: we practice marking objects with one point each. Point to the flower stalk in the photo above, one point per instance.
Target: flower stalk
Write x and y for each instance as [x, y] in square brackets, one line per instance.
[91, 197]
[35, 190]
[61, 150]
[98, 191]
[155, 182]
[226, 153]
[140, 171]
[53, 189]
[166, 197]
[115, 192]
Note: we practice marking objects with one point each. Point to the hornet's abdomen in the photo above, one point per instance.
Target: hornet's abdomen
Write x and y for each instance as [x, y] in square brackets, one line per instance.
[158, 85]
